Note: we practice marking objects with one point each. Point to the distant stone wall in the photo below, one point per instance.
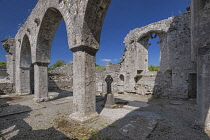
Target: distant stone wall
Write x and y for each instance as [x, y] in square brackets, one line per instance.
[101, 84]
[6, 87]
[3, 72]
[60, 82]
[148, 83]
[62, 77]
[66, 69]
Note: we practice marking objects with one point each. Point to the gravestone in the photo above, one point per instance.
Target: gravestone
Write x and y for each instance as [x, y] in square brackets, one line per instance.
[109, 97]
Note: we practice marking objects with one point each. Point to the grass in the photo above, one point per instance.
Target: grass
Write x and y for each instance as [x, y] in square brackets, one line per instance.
[78, 131]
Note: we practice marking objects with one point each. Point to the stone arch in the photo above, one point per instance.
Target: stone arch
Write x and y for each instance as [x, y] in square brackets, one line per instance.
[84, 21]
[138, 39]
[23, 80]
[48, 27]
[47, 30]
[144, 41]
[25, 53]
[122, 78]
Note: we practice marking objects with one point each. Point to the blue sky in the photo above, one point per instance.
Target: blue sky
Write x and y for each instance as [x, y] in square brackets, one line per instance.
[122, 16]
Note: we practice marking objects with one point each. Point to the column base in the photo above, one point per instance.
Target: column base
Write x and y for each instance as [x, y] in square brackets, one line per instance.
[109, 101]
[38, 100]
[80, 117]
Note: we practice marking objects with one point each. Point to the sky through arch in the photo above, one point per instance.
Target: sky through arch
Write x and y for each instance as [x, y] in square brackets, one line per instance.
[122, 16]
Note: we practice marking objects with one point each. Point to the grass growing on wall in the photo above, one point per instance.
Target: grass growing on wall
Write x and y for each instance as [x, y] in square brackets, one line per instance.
[100, 68]
[154, 68]
[3, 63]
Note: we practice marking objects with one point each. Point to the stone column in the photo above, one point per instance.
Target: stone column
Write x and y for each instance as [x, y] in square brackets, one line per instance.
[84, 84]
[41, 82]
[203, 87]
[23, 81]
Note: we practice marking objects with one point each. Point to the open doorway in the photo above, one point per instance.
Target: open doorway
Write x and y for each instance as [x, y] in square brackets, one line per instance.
[192, 91]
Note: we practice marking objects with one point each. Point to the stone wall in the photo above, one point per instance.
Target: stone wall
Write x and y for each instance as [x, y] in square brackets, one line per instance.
[60, 82]
[62, 77]
[3, 72]
[9, 46]
[66, 69]
[179, 58]
[176, 66]
[132, 75]
[113, 70]
[6, 87]
[200, 55]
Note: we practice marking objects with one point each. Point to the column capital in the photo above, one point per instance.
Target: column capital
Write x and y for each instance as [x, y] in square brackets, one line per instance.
[84, 48]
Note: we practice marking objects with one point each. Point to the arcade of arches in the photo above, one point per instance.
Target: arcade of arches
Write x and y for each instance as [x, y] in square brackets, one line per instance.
[179, 36]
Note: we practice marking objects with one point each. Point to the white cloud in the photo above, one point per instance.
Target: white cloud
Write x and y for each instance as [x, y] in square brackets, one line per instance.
[106, 60]
[115, 60]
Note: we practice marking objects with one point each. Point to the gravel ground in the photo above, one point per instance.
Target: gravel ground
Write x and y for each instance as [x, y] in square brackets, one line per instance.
[27, 120]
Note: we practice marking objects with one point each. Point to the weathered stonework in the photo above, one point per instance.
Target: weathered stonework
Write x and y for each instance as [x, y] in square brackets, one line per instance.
[200, 54]
[175, 60]
[3, 72]
[84, 19]
[9, 46]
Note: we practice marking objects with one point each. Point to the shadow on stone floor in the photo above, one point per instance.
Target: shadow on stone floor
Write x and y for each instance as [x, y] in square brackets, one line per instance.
[158, 120]
[58, 94]
[14, 127]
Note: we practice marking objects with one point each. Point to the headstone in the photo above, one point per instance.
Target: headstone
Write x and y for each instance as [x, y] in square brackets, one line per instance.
[109, 81]
[109, 97]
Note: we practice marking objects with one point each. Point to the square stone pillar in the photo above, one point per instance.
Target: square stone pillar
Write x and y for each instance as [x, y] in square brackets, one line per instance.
[84, 85]
[41, 82]
[23, 81]
[203, 87]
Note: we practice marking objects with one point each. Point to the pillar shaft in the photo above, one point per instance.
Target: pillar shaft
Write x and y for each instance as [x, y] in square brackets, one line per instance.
[41, 82]
[84, 85]
[203, 87]
[23, 81]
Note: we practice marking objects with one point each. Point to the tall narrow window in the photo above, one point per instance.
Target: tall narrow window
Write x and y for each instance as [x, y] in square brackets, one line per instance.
[154, 53]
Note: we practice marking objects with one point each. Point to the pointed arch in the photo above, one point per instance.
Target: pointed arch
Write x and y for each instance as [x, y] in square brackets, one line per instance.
[49, 25]
[25, 53]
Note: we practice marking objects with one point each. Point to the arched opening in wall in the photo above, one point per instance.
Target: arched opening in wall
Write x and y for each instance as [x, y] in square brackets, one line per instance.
[53, 49]
[26, 67]
[122, 79]
[154, 53]
[61, 61]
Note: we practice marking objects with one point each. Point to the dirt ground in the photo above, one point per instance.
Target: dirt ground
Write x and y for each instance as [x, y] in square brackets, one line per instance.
[134, 118]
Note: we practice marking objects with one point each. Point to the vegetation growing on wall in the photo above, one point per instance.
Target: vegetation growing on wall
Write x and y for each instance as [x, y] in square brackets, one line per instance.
[100, 68]
[3, 63]
[154, 68]
[58, 63]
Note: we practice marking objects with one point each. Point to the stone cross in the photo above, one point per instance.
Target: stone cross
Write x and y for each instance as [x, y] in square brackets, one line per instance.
[109, 81]
[109, 97]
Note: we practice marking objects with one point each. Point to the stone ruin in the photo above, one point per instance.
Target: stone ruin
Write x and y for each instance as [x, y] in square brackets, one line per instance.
[184, 48]
[132, 75]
